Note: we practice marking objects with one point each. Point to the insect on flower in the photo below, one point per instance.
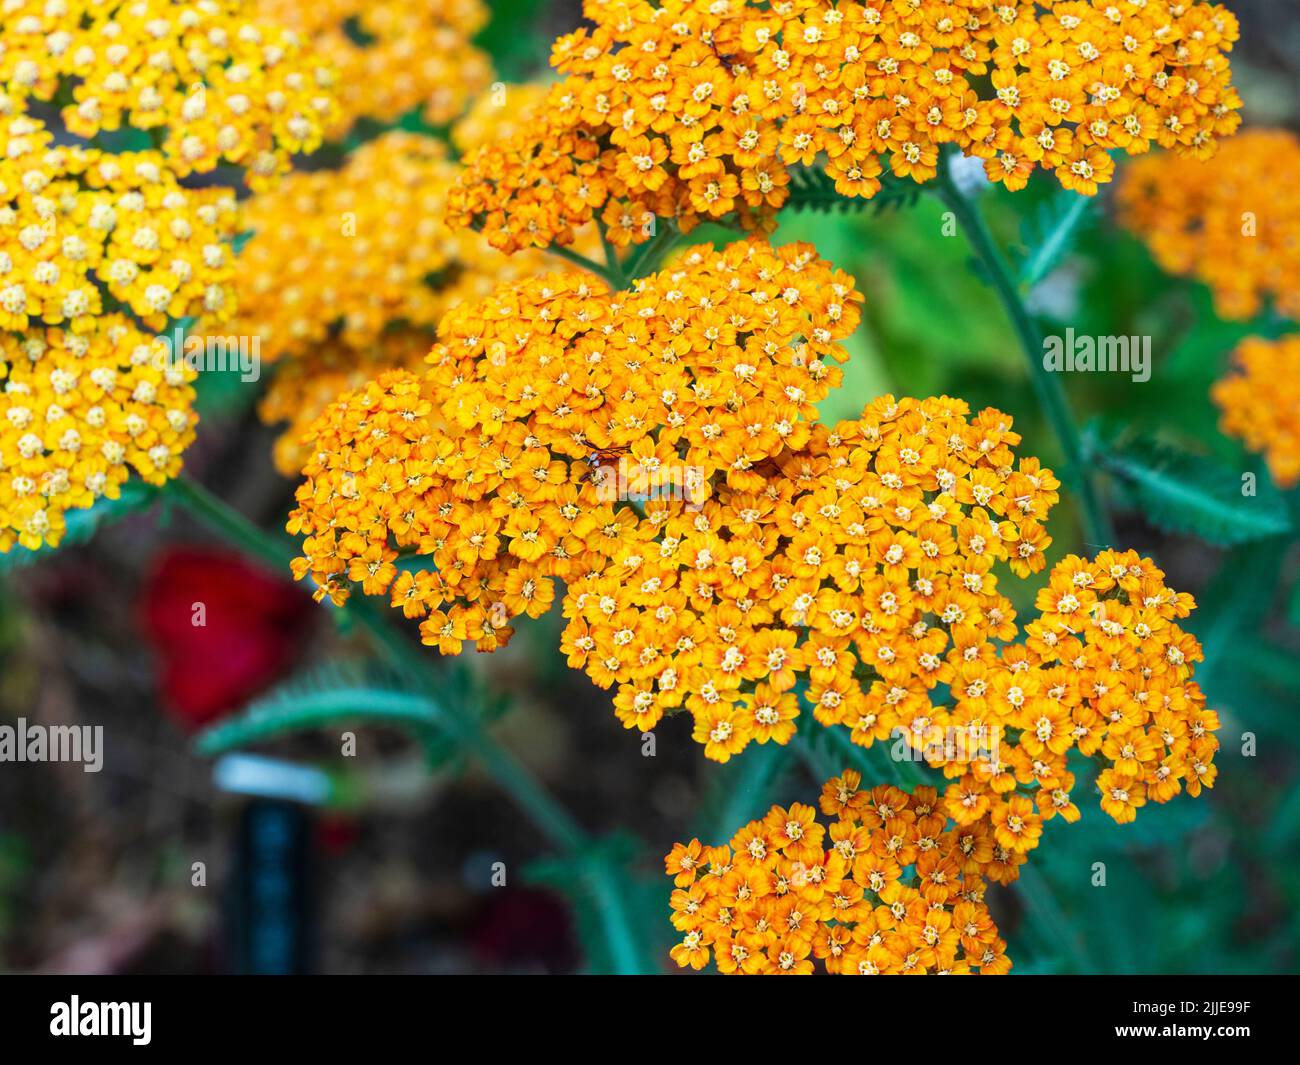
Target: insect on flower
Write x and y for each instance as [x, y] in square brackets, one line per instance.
[603, 456]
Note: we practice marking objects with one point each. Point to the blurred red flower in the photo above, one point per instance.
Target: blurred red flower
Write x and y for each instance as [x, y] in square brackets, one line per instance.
[222, 628]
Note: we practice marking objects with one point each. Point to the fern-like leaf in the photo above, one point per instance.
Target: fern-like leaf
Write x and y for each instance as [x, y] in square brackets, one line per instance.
[812, 189]
[1050, 233]
[328, 695]
[1192, 495]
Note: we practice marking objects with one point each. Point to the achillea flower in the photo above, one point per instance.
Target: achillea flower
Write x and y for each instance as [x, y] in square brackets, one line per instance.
[304, 385]
[695, 111]
[1105, 670]
[890, 886]
[704, 369]
[393, 56]
[78, 413]
[1260, 401]
[80, 224]
[1232, 222]
[209, 82]
[852, 569]
[499, 114]
[96, 248]
[725, 554]
[348, 271]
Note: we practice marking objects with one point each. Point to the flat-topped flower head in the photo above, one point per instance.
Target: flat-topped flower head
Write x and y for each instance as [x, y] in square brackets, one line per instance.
[1232, 222]
[392, 56]
[697, 375]
[694, 110]
[887, 885]
[1260, 403]
[81, 225]
[96, 249]
[78, 413]
[841, 579]
[210, 83]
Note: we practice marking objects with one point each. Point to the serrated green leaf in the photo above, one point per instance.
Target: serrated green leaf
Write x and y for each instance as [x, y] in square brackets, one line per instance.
[1051, 232]
[134, 497]
[812, 189]
[1194, 496]
[323, 696]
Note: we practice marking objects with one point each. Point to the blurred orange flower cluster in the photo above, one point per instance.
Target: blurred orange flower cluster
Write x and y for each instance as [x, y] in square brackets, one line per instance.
[1228, 222]
[393, 56]
[691, 111]
[348, 271]
[1260, 401]
[889, 887]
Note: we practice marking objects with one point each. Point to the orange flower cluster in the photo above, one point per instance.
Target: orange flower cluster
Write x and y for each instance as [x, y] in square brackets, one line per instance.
[889, 887]
[499, 114]
[1232, 222]
[347, 253]
[724, 553]
[1261, 403]
[348, 271]
[482, 470]
[212, 84]
[78, 412]
[695, 110]
[1105, 670]
[853, 568]
[392, 55]
[303, 386]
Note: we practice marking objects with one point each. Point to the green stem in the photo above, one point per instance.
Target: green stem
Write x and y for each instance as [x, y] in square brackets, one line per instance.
[586, 264]
[278, 551]
[1050, 391]
[647, 258]
[617, 923]
[613, 268]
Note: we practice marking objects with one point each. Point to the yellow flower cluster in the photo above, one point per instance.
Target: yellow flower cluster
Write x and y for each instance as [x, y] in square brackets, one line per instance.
[1261, 403]
[1232, 222]
[393, 55]
[209, 82]
[81, 226]
[483, 470]
[695, 110]
[889, 887]
[348, 272]
[78, 412]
